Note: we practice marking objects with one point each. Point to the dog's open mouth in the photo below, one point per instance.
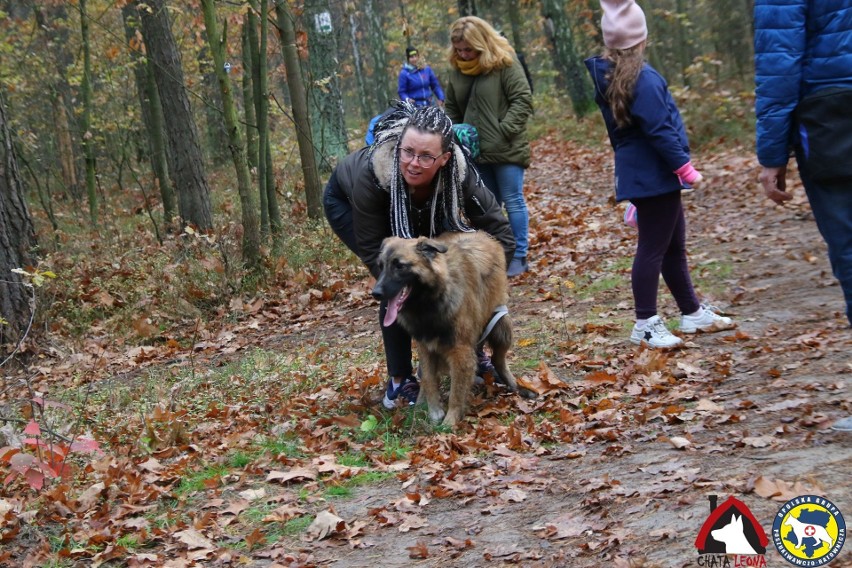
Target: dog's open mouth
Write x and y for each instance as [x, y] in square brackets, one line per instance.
[395, 304]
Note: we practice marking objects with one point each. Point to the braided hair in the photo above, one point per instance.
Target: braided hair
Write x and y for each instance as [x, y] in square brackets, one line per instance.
[431, 120]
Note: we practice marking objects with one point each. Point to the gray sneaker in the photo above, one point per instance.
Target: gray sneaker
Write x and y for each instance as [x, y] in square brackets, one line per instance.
[517, 267]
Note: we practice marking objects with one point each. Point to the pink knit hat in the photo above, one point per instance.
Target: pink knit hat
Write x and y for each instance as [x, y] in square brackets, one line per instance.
[623, 24]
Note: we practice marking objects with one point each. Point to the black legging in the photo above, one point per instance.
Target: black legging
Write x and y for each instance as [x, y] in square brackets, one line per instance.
[397, 342]
[661, 250]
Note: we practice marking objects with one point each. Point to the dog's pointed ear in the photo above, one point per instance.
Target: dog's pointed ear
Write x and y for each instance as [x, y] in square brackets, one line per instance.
[430, 248]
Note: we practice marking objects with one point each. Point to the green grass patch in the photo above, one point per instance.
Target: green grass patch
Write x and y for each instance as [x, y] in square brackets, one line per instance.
[589, 286]
[239, 460]
[369, 478]
[620, 264]
[283, 445]
[395, 447]
[296, 526]
[394, 430]
[353, 460]
[338, 491]
[346, 488]
[200, 480]
[255, 515]
[712, 277]
[128, 541]
[167, 516]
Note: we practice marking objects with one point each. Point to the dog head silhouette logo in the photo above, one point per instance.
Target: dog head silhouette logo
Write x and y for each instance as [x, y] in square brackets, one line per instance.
[730, 529]
[809, 531]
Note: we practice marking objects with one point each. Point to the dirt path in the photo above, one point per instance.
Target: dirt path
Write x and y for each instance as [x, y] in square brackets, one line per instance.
[754, 407]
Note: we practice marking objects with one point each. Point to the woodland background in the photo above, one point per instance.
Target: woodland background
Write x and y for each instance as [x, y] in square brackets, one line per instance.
[144, 118]
[190, 360]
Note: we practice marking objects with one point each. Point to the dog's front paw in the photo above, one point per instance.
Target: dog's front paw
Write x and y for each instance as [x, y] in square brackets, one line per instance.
[450, 420]
[527, 393]
[436, 414]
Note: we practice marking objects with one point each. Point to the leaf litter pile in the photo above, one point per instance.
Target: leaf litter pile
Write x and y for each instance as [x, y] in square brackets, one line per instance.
[263, 441]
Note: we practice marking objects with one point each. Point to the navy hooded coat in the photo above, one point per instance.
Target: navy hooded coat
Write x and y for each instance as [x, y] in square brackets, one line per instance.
[654, 145]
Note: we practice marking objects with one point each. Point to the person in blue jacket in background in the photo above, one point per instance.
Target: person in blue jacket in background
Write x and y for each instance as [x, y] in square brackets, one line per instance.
[417, 83]
[652, 166]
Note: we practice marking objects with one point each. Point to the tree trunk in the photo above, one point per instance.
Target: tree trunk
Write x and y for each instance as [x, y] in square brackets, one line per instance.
[467, 7]
[287, 30]
[17, 240]
[376, 42]
[65, 146]
[733, 34]
[248, 95]
[216, 135]
[53, 21]
[366, 112]
[263, 123]
[517, 41]
[251, 234]
[152, 112]
[565, 57]
[88, 135]
[326, 102]
[187, 165]
[684, 57]
[269, 201]
[254, 102]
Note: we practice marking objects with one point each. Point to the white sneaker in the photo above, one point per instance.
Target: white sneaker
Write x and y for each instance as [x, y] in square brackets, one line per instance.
[707, 321]
[655, 334]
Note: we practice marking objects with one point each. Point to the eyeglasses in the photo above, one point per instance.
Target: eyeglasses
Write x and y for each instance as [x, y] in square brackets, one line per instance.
[425, 160]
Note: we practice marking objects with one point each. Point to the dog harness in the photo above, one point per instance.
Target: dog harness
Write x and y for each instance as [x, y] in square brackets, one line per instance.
[499, 312]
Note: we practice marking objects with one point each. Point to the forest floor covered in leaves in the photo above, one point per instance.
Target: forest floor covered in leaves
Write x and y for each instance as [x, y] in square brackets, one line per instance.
[612, 464]
[643, 437]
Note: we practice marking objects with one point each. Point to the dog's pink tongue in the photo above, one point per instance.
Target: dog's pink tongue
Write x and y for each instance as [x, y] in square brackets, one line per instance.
[393, 310]
[393, 307]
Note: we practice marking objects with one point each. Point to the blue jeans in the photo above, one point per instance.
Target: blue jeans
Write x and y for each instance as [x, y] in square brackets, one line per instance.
[832, 207]
[506, 182]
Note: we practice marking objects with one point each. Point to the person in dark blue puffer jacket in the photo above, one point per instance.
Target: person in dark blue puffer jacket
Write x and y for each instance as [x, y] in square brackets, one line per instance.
[417, 83]
[803, 48]
[803, 62]
[652, 166]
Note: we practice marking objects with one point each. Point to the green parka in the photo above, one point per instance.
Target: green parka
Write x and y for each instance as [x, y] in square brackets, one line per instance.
[498, 104]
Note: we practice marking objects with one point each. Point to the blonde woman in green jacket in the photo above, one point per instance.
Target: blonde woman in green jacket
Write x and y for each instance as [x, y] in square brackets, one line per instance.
[488, 89]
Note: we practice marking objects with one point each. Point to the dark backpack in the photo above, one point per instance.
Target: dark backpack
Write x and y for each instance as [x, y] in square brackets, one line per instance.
[523, 62]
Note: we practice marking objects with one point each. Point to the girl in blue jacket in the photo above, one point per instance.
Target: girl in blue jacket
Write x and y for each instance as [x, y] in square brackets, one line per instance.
[652, 166]
[417, 83]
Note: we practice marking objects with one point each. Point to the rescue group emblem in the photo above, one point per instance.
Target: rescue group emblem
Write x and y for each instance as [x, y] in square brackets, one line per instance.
[808, 531]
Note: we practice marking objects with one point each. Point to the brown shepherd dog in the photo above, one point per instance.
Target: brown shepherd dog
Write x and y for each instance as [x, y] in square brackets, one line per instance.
[444, 292]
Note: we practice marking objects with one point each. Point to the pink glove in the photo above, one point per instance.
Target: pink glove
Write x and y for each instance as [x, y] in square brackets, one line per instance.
[687, 173]
[630, 216]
